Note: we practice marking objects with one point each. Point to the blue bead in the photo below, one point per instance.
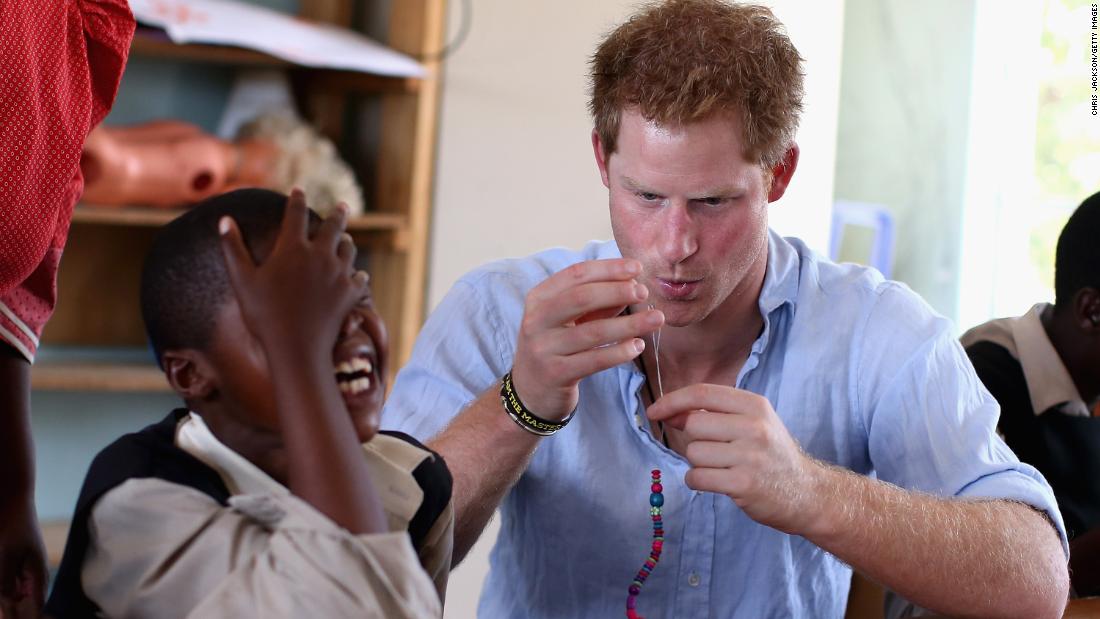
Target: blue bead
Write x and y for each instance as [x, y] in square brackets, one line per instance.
[656, 500]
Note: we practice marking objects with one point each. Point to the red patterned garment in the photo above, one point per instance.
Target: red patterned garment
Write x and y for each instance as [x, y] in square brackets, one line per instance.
[60, 66]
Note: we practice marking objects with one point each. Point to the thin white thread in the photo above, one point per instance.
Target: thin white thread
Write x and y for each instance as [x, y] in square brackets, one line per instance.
[656, 339]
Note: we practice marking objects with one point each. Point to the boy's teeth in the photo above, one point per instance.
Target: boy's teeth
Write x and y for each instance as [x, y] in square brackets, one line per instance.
[361, 363]
[360, 385]
[356, 364]
[354, 387]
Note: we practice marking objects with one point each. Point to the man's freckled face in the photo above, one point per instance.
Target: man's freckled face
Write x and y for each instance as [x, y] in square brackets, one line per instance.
[687, 205]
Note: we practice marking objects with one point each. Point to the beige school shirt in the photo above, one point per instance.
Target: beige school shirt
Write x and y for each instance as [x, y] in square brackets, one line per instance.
[158, 549]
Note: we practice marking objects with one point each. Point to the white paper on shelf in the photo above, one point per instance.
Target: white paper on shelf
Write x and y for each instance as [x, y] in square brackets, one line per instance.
[225, 22]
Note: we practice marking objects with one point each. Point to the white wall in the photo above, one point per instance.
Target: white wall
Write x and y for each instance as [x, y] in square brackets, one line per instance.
[515, 168]
[904, 121]
[817, 29]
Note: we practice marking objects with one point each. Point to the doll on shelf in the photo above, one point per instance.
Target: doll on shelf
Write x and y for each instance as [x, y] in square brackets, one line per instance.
[171, 164]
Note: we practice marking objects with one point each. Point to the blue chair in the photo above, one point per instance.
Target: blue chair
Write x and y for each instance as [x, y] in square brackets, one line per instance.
[847, 214]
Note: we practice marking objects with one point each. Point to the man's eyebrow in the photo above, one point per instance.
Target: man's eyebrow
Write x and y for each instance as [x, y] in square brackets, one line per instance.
[633, 185]
[723, 191]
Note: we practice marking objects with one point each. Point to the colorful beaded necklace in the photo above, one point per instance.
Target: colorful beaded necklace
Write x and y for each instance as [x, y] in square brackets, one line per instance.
[656, 501]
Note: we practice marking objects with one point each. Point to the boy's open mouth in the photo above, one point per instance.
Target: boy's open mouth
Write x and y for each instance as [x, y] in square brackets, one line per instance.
[353, 376]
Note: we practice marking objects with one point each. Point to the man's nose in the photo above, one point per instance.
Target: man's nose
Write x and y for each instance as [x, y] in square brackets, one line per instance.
[679, 239]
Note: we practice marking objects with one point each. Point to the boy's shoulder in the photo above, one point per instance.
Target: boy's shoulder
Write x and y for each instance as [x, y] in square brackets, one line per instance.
[426, 467]
[148, 453]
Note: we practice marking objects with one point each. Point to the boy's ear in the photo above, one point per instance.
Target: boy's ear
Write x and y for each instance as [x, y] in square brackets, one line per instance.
[189, 373]
[1086, 310]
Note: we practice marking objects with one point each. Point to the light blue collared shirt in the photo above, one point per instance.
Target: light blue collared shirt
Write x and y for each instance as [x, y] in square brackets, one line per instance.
[863, 373]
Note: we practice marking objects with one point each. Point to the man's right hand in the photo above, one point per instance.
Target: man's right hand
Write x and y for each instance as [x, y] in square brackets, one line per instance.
[564, 338]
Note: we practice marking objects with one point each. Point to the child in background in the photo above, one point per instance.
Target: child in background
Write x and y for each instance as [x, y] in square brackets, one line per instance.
[273, 493]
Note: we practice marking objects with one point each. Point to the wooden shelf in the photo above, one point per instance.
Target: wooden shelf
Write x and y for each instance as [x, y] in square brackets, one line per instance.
[155, 217]
[54, 534]
[114, 377]
[154, 43]
[390, 137]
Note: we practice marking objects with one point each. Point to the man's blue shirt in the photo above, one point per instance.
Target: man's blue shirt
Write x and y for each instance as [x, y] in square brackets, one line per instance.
[862, 372]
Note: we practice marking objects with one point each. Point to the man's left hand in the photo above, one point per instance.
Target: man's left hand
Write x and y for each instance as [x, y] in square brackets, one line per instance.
[738, 446]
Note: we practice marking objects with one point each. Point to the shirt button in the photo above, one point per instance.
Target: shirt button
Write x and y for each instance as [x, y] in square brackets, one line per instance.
[693, 579]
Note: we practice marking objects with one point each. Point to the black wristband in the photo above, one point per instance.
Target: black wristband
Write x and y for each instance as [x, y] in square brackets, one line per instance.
[524, 417]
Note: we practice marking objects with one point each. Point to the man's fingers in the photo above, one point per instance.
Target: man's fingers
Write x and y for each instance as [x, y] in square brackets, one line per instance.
[618, 269]
[704, 425]
[575, 302]
[295, 226]
[716, 398]
[717, 480]
[571, 340]
[238, 262]
[332, 228]
[575, 367]
[711, 454]
[675, 421]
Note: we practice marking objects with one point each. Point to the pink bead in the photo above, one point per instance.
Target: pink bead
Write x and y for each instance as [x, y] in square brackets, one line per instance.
[656, 488]
[656, 472]
[658, 544]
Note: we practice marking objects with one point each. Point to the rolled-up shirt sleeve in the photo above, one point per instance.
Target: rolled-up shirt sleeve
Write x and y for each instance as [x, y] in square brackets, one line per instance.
[158, 549]
[931, 424]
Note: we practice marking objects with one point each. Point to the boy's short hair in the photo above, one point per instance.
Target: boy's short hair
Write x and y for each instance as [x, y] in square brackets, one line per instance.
[184, 281]
[685, 60]
[1077, 258]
